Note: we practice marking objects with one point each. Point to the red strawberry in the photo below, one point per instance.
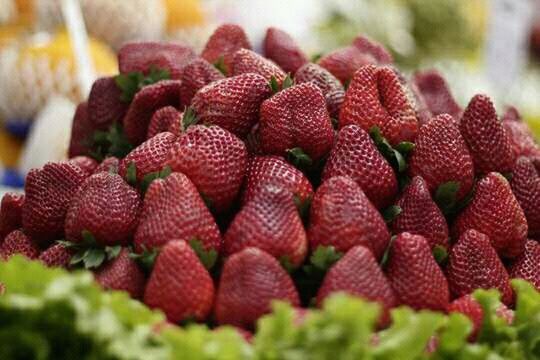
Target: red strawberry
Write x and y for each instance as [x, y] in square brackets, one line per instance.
[246, 61]
[223, 43]
[179, 284]
[142, 56]
[520, 135]
[441, 155]
[330, 86]
[214, 159]
[56, 256]
[274, 170]
[474, 264]
[469, 307]
[416, 278]
[495, 212]
[283, 50]
[145, 103]
[173, 209]
[163, 120]
[10, 213]
[18, 243]
[104, 104]
[122, 273]
[356, 156]
[48, 194]
[373, 48]
[344, 62]
[423, 113]
[359, 274]
[270, 222]
[526, 188]
[376, 97]
[420, 215]
[109, 164]
[250, 281]
[81, 132]
[86, 163]
[195, 76]
[527, 265]
[232, 103]
[436, 93]
[343, 217]
[296, 118]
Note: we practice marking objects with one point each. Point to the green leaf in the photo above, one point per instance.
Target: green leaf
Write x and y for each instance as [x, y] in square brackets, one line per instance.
[88, 238]
[93, 258]
[302, 206]
[208, 257]
[166, 171]
[189, 118]
[112, 142]
[440, 254]
[132, 82]
[386, 255]
[324, 257]
[335, 123]
[446, 196]
[112, 251]
[147, 180]
[220, 65]
[274, 86]
[146, 258]
[287, 82]
[286, 263]
[405, 147]
[207, 200]
[299, 158]
[315, 57]
[393, 156]
[131, 174]
[391, 213]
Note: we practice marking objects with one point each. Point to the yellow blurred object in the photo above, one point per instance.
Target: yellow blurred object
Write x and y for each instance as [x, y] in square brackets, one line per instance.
[25, 11]
[10, 33]
[183, 13]
[534, 124]
[10, 149]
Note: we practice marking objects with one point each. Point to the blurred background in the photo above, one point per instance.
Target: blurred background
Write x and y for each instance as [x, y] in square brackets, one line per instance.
[489, 46]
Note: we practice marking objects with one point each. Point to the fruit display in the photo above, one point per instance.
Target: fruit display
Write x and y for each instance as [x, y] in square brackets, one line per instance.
[236, 205]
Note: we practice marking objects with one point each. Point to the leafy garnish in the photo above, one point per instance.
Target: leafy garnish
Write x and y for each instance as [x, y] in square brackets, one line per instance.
[208, 257]
[132, 82]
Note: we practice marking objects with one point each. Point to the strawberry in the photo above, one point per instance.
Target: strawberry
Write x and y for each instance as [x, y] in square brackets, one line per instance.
[296, 118]
[420, 215]
[246, 61]
[358, 273]
[81, 131]
[525, 184]
[423, 113]
[164, 120]
[173, 209]
[232, 103]
[195, 76]
[10, 213]
[179, 285]
[474, 264]
[414, 274]
[270, 221]
[343, 217]
[527, 265]
[519, 133]
[223, 43]
[87, 164]
[356, 156]
[436, 93]
[469, 307]
[214, 159]
[373, 48]
[48, 194]
[122, 273]
[16, 242]
[104, 104]
[251, 279]
[145, 103]
[441, 155]
[56, 256]
[109, 164]
[274, 170]
[330, 86]
[495, 212]
[105, 206]
[281, 48]
[345, 61]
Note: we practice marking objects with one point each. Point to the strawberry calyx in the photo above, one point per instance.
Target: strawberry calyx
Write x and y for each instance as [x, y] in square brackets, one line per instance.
[302, 205]
[189, 118]
[144, 184]
[132, 82]
[111, 142]
[446, 196]
[220, 65]
[207, 257]
[396, 156]
[322, 259]
[286, 263]
[386, 255]
[391, 213]
[440, 254]
[145, 258]
[299, 158]
[89, 253]
[276, 87]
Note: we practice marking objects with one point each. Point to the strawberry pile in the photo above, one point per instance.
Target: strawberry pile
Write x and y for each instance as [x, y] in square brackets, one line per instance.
[209, 185]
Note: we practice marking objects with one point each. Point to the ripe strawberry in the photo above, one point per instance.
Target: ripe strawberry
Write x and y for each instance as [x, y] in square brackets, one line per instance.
[107, 207]
[436, 93]
[251, 279]
[270, 222]
[122, 273]
[109, 164]
[495, 212]
[441, 155]
[283, 50]
[10, 213]
[48, 194]
[81, 131]
[527, 265]
[195, 76]
[223, 43]
[87, 164]
[330, 86]
[373, 48]
[359, 274]
[474, 264]
[179, 285]
[345, 61]
[145, 103]
[142, 56]
[214, 159]
[16, 242]
[520, 135]
[232, 103]
[104, 104]
[356, 156]
[343, 217]
[274, 170]
[56, 256]
[246, 61]
[173, 209]
[526, 188]
[469, 307]
[420, 215]
[296, 118]
[423, 113]
[163, 120]
[414, 275]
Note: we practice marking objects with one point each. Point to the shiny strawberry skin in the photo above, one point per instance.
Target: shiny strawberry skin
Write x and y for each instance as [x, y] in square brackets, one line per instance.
[250, 281]
[488, 142]
[16, 242]
[224, 42]
[81, 132]
[474, 264]
[344, 62]
[123, 274]
[495, 212]
[173, 209]
[283, 50]
[296, 117]
[270, 222]
[214, 159]
[414, 274]
[441, 155]
[163, 120]
[195, 76]
[106, 206]
[469, 307]
[179, 285]
[10, 213]
[355, 155]
[104, 104]
[86, 163]
[420, 215]
[436, 93]
[527, 265]
[48, 193]
[109, 164]
[333, 91]
[246, 61]
[525, 185]
[519, 133]
[56, 256]
[342, 216]
[373, 48]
